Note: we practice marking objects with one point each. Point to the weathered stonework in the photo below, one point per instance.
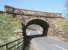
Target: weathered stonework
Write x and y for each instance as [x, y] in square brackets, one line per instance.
[27, 15]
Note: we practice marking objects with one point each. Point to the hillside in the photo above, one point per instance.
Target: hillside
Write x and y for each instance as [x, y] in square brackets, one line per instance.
[8, 25]
[64, 26]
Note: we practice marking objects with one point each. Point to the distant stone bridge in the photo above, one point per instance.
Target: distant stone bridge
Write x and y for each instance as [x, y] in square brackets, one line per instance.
[27, 15]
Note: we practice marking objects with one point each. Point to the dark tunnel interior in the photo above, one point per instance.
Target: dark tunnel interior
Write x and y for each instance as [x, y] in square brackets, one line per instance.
[40, 22]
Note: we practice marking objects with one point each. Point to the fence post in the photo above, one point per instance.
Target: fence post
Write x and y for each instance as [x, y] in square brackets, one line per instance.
[7, 47]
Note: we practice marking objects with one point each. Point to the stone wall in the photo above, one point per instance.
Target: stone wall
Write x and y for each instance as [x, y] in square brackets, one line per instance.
[26, 15]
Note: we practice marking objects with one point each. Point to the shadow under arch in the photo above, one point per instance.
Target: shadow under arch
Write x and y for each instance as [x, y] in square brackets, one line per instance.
[40, 22]
[27, 38]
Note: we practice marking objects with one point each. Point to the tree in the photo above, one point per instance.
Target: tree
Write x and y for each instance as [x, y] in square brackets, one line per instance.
[66, 8]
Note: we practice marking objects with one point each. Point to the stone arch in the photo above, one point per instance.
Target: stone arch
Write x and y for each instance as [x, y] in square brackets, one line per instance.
[40, 22]
[33, 17]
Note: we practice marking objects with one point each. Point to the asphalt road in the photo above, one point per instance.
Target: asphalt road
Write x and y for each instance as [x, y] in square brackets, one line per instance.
[46, 43]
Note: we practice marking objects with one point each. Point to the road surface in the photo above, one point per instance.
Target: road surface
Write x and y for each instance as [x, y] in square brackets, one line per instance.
[46, 43]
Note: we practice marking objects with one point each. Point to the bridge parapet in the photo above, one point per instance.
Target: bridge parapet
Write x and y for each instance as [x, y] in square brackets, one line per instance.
[11, 9]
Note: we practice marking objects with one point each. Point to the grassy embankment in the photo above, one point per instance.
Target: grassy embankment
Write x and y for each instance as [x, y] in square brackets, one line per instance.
[8, 25]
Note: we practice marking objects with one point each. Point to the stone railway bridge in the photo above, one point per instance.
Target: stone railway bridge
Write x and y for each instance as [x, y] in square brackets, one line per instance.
[45, 19]
[26, 16]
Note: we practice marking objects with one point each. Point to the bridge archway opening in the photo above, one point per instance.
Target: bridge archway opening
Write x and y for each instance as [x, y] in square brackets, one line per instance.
[43, 24]
[34, 29]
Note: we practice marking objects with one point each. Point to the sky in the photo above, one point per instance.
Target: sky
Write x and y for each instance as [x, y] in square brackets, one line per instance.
[39, 5]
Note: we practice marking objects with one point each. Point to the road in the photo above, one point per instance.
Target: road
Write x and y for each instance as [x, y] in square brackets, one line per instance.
[46, 43]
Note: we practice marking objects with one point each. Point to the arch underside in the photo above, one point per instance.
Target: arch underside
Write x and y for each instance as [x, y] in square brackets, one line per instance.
[40, 22]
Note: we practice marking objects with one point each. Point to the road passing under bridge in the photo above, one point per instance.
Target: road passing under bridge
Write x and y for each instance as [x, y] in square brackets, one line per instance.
[47, 43]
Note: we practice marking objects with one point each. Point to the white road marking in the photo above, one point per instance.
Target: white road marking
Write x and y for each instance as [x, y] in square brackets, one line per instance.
[61, 47]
